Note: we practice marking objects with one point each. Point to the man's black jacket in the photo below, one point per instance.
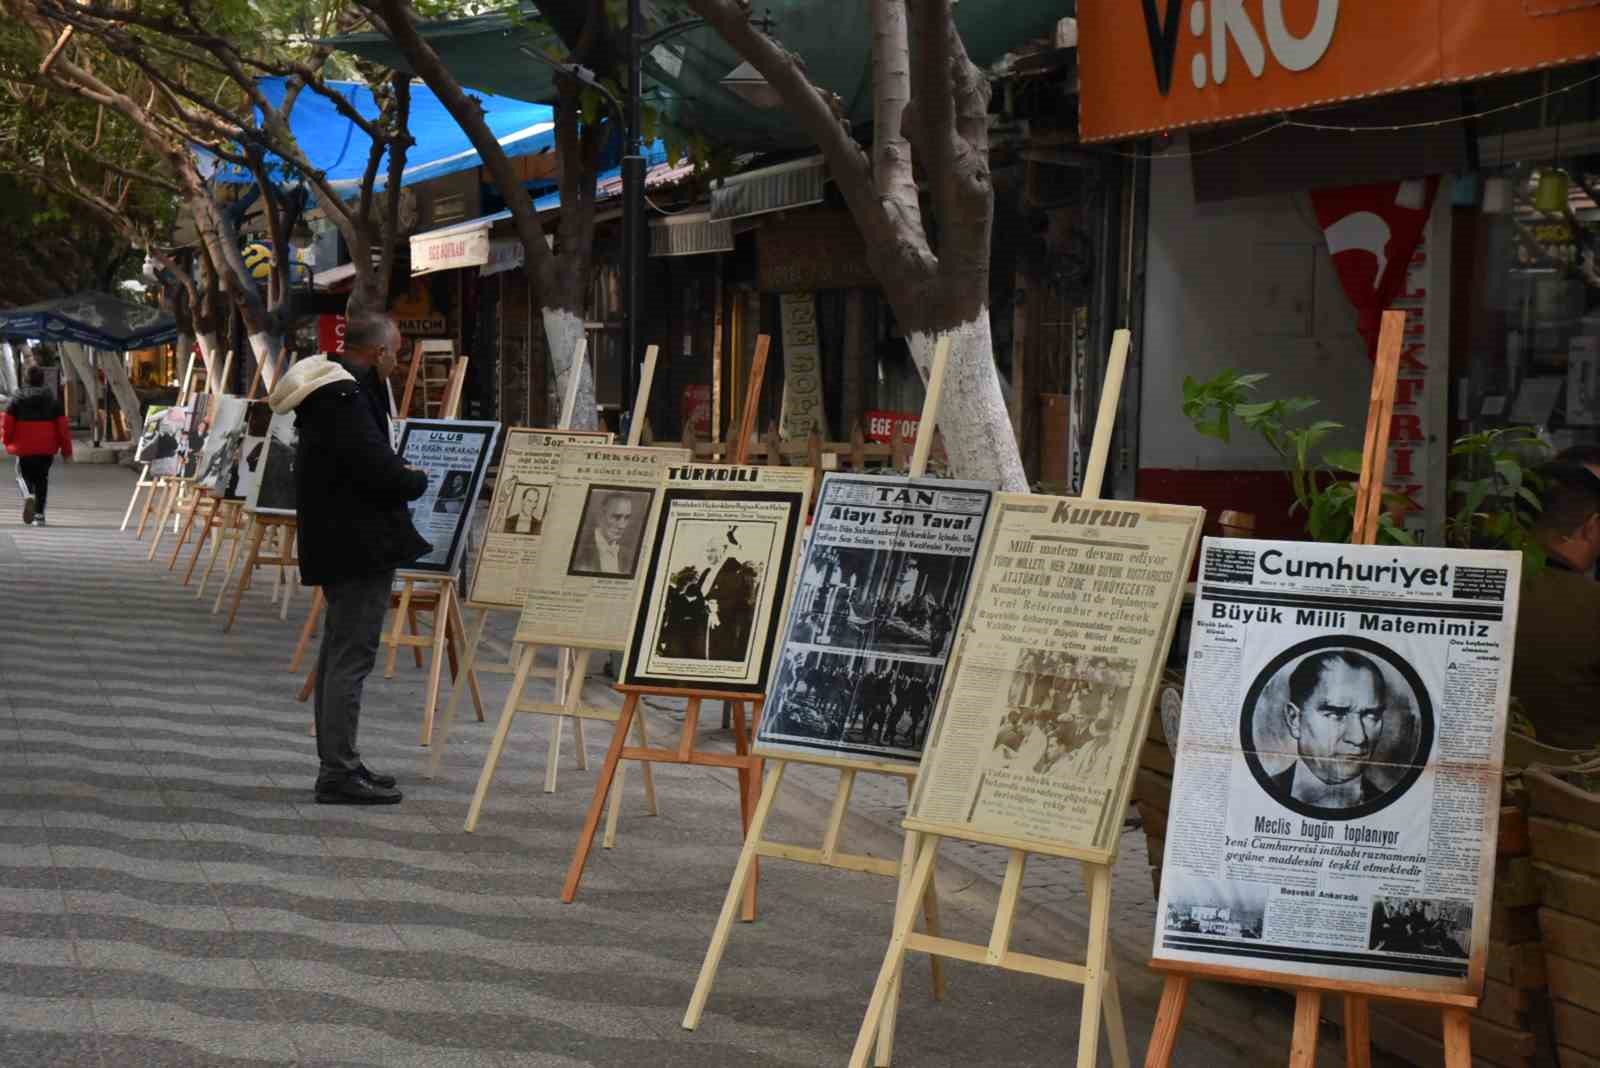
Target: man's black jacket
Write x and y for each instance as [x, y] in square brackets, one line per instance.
[351, 489]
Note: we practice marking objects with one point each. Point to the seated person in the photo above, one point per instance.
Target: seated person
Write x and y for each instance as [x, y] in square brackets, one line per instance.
[1557, 667]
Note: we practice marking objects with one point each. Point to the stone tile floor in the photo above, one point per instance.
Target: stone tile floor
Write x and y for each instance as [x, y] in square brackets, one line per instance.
[170, 895]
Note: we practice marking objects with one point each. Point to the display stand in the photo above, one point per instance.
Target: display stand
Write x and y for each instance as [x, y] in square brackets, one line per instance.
[154, 487]
[1308, 992]
[828, 855]
[283, 529]
[744, 760]
[447, 629]
[1095, 974]
[179, 495]
[224, 526]
[471, 664]
[202, 506]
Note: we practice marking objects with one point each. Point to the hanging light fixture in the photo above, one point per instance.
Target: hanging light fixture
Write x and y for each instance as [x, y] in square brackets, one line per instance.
[1554, 185]
[1497, 189]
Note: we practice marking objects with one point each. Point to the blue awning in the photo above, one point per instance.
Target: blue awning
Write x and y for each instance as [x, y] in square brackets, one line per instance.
[338, 148]
[98, 320]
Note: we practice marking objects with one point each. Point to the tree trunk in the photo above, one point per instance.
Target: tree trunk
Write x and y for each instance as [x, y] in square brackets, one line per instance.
[973, 416]
[211, 356]
[266, 347]
[563, 328]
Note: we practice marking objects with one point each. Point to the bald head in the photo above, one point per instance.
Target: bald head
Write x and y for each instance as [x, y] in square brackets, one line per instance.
[371, 339]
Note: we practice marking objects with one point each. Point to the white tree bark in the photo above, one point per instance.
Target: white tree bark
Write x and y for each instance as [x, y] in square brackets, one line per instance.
[974, 420]
[115, 365]
[266, 350]
[563, 328]
[209, 350]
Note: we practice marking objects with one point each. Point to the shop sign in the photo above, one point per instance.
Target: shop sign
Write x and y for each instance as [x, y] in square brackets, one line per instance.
[696, 410]
[1159, 65]
[330, 334]
[505, 254]
[415, 315]
[447, 252]
[884, 426]
[802, 410]
[809, 250]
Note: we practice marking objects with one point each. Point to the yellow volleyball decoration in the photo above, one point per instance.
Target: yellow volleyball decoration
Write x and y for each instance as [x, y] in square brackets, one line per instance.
[258, 260]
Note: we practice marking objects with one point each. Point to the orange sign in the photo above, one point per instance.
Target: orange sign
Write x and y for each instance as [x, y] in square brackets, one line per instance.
[1148, 66]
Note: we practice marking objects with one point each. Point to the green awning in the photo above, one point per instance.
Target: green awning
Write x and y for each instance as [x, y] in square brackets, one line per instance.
[684, 73]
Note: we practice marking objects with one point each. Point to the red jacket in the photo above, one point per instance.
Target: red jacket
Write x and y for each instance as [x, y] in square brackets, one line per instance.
[35, 425]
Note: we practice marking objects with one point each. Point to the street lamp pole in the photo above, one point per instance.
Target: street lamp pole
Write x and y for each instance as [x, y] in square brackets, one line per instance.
[632, 203]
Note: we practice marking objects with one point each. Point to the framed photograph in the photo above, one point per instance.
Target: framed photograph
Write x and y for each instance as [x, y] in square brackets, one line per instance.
[610, 532]
[877, 595]
[219, 458]
[273, 490]
[716, 586]
[164, 435]
[455, 454]
[252, 450]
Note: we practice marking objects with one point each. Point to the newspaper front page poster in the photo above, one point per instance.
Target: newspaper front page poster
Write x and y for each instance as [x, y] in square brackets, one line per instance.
[455, 454]
[1337, 791]
[587, 572]
[877, 598]
[725, 540]
[1056, 664]
[517, 514]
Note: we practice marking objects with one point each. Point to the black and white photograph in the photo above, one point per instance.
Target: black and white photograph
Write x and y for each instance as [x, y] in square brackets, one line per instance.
[717, 574]
[1236, 910]
[1422, 926]
[1337, 728]
[870, 703]
[452, 497]
[274, 488]
[219, 459]
[877, 600]
[611, 531]
[252, 450]
[161, 442]
[193, 440]
[1062, 713]
[716, 571]
[525, 512]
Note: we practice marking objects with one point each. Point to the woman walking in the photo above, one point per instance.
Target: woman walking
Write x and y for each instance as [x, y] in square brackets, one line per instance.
[34, 430]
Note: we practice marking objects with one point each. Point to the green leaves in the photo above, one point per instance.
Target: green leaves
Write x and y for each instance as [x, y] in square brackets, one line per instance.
[1498, 500]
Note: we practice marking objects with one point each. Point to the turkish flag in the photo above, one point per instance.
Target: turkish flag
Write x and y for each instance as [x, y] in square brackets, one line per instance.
[1372, 232]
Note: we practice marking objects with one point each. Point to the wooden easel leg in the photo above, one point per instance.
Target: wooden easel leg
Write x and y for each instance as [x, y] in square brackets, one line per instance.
[1357, 1033]
[1116, 1024]
[239, 539]
[731, 903]
[149, 506]
[1307, 1019]
[1457, 1039]
[414, 631]
[602, 787]
[225, 534]
[458, 630]
[647, 771]
[1097, 962]
[206, 531]
[905, 915]
[564, 687]
[308, 629]
[1169, 1016]
[469, 659]
[498, 743]
[132, 501]
[189, 515]
[580, 751]
[243, 584]
[441, 633]
[400, 614]
[168, 500]
[749, 788]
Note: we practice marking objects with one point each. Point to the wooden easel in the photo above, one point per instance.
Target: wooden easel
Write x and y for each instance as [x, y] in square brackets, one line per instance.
[562, 673]
[1308, 991]
[569, 674]
[222, 526]
[152, 488]
[283, 530]
[744, 760]
[1096, 973]
[828, 855]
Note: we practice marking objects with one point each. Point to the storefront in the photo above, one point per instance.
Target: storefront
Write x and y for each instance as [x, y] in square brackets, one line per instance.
[1306, 166]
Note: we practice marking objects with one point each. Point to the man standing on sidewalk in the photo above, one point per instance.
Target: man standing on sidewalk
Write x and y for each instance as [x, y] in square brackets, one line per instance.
[35, 428]
[351, 495]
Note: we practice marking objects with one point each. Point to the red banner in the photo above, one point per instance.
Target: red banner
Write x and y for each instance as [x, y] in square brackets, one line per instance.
[330, 334]
[696, 410]
[1372, 232]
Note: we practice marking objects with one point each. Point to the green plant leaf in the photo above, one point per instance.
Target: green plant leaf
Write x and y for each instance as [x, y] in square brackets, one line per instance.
[1346, 460]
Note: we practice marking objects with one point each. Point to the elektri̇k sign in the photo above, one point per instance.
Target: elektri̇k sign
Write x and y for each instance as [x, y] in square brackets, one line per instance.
[1154, 66]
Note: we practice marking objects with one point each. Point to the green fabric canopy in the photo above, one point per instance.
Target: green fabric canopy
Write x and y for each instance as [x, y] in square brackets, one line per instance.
[683, 74]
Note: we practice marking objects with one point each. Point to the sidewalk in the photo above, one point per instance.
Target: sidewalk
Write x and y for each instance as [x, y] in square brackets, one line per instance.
[169, 894]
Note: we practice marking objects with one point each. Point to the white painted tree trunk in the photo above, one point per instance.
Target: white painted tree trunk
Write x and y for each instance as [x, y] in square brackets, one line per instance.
[973, 416]
[563, 328]
[210, 352]
[266, 350]
[115, 365]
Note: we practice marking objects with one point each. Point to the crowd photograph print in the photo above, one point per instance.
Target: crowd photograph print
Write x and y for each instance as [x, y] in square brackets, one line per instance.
[714, 586]
[1337, 727]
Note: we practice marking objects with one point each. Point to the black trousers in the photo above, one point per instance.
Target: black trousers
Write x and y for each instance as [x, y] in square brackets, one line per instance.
[351, 632]
[33, 477]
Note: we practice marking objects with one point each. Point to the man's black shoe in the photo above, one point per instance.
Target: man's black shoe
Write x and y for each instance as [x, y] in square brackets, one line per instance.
[385, 781]
[352, 789]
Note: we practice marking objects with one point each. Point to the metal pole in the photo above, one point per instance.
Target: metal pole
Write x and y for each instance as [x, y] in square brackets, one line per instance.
[632, 204]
